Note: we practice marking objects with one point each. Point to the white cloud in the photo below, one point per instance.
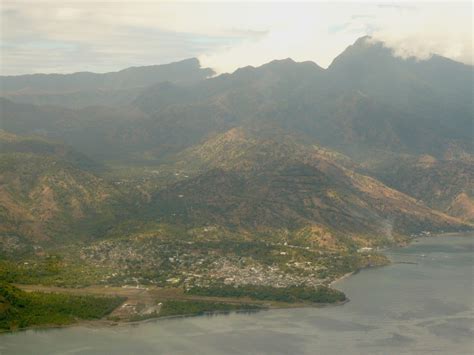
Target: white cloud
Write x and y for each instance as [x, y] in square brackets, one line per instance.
[109, 35]
[320, 32]
[441, 28]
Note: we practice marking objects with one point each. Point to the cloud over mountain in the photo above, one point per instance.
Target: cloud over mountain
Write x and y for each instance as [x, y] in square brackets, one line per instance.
[104, 36]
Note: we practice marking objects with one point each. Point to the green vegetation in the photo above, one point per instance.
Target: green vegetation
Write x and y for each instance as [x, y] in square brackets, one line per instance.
[19, 309]
[51, 270]
[157, 254]
[175, 308]
[290, 294]
[197, 185]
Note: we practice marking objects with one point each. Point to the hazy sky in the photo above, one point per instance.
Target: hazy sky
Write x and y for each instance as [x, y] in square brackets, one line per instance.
[66, 36]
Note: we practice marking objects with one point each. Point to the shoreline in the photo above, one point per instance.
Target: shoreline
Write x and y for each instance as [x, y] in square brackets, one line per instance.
[409, 242]
[343, 277]
[105, 323]
[265, 307]
[108, 322]
[274, 305]
[111, 323]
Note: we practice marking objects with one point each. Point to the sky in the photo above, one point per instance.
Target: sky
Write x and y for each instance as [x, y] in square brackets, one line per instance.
[63, 36]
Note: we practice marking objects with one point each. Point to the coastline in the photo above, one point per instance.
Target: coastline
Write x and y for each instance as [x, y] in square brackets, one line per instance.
[105, 322]
[265, 306]
[121, 323]
[343, 277]
[366, 307]
[405, 245]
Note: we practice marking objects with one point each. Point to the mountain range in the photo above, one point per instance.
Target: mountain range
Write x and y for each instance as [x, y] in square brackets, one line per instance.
[373, 148]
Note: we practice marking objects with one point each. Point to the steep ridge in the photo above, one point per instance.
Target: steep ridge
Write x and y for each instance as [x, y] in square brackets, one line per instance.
[244, 180]
[369, 105]
[368, 102]
[85, 89]
[428, 103]
[100, 132]
[50, 193]
[446, 185]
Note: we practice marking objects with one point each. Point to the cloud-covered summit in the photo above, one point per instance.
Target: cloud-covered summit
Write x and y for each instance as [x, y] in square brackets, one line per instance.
[54, 36]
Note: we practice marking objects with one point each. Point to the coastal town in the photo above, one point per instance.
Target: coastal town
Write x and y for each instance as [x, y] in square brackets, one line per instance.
[188, 263]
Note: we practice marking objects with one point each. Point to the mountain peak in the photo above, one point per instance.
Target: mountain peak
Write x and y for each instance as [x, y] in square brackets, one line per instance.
[289, 64]
[364, 41]
[364, 49]
[192, 63]
[285, 61]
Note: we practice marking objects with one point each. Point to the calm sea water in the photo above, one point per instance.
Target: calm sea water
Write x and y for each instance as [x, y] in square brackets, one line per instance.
[425, 306]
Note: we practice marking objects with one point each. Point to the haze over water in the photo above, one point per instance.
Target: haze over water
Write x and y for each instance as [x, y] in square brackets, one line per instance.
[424, 305]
